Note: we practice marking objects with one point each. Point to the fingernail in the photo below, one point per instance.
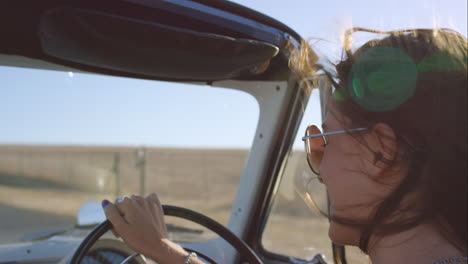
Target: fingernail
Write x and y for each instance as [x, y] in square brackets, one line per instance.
[105, 203]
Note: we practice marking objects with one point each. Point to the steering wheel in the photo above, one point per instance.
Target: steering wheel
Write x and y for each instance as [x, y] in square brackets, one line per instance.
[246, 253]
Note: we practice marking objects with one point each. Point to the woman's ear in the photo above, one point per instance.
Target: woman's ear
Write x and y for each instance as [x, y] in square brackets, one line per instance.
[386, 141]
[383, 145]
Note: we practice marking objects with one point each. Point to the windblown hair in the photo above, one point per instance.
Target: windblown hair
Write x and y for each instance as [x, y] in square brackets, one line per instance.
[431, 129]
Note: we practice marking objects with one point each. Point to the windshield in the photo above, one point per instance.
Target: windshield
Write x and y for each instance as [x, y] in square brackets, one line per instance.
[68, 138]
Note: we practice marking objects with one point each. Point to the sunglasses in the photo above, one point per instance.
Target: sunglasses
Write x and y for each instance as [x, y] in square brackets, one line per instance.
[315, 142]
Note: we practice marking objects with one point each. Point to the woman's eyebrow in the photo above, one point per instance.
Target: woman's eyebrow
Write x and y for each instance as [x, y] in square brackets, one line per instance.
[324, 126]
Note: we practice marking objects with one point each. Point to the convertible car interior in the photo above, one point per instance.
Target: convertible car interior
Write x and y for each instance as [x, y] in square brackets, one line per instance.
[191, 99]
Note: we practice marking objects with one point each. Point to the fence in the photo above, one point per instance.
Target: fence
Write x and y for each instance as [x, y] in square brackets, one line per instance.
[120, 169]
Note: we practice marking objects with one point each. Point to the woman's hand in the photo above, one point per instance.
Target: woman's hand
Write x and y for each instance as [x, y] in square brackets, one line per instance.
[140, 223]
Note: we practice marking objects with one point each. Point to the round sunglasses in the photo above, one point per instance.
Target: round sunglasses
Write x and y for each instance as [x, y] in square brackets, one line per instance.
[316, 141]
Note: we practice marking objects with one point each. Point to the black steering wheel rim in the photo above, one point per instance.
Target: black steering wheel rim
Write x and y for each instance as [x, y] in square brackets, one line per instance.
[245, 251]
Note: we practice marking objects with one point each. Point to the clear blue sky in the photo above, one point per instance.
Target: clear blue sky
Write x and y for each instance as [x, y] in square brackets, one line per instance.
[58, 108]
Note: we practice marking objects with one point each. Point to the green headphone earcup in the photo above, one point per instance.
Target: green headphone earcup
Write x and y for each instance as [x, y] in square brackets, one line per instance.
[382, 78]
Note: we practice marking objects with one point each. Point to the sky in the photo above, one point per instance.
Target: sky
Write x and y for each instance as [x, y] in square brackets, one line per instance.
[46, 107]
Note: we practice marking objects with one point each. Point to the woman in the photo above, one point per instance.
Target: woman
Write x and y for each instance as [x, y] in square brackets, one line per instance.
[392, 156]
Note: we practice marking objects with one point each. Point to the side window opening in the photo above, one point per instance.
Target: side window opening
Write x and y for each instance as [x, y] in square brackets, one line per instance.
[294, 227]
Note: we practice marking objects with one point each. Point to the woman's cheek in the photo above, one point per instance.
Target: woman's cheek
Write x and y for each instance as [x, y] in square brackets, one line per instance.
[328, 173]
[341, 183]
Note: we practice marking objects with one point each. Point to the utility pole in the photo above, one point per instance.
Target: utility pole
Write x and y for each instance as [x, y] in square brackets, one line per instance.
[116, 171]
[141, 164]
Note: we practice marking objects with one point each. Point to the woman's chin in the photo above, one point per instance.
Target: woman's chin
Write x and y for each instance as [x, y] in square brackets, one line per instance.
[343, 235]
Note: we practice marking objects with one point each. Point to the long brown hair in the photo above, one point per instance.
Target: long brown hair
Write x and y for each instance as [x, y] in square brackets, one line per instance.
[431, 129]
